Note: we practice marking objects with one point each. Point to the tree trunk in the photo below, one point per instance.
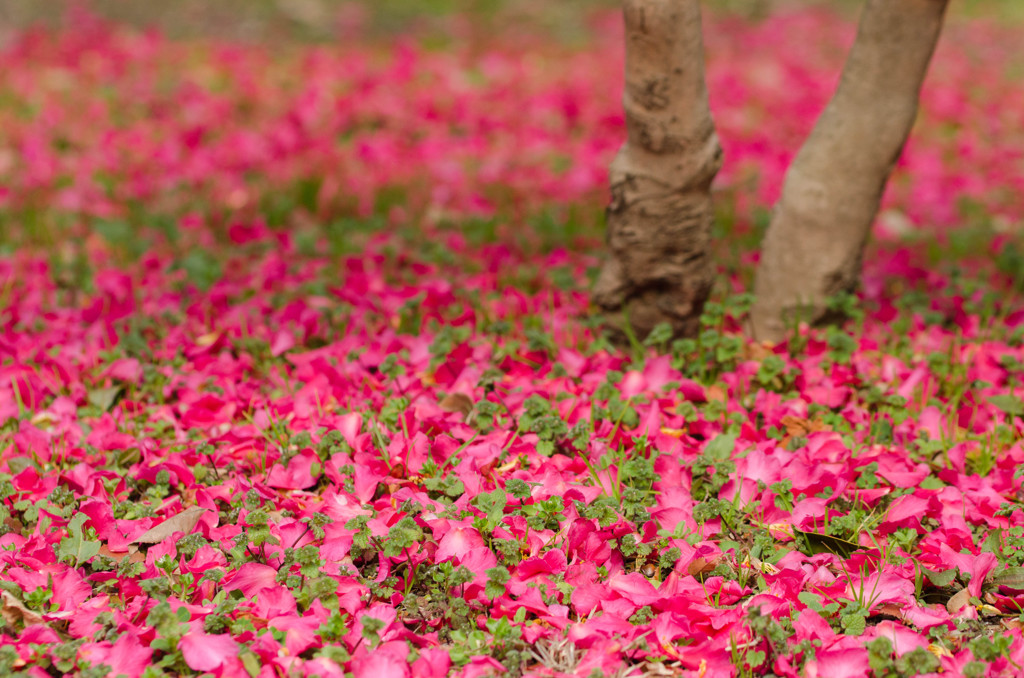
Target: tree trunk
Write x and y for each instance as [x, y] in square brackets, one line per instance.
[815, 242]
[659, 219]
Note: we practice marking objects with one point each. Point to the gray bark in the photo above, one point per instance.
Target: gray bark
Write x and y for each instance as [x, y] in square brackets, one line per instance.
[815, 242]
[659, 219]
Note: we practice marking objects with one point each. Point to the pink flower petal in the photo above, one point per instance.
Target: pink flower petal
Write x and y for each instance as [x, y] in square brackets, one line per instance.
[204, 652]
[251, 578]
[457, 543]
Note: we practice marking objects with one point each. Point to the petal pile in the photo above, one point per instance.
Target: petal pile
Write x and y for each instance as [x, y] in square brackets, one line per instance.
[298, 374]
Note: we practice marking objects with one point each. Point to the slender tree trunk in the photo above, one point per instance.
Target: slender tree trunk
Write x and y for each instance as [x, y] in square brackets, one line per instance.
[815, 242]
[659, 219]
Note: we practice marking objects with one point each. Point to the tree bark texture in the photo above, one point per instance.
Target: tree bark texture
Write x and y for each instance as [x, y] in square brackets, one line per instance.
[659, 219]
[815, 242]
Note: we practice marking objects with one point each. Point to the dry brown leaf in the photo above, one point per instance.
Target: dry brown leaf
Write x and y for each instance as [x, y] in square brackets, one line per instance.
[651, 669]
[716, 392]
[14, 525]
[960, 600]
[133, 554]
[757, 350]
[487, 470]
[456, 402]
[890, 610]
[13, 611]
[700, 566]
[797, 426]
[113, 555]
[183, 522]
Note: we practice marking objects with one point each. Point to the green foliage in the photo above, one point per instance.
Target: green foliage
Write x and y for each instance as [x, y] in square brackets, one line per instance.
[201, 268]
[403, 535]
[78, 547]
[841, 345]
[714, 466]
[1011, 405]
[493, 505]
[497, 578]
[541, 418]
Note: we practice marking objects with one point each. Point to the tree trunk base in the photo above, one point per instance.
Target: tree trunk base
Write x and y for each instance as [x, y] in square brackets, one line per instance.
[659, 219]
[815, 242]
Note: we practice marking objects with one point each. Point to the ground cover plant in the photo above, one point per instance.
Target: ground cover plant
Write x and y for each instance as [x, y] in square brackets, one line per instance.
[298, 374]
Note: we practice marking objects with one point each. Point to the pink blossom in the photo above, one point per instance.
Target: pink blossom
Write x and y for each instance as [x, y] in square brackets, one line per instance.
[204, 652]
[251, 578]
[457, 543]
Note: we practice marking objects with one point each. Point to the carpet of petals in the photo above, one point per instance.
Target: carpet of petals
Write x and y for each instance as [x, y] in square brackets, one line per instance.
[298, 375]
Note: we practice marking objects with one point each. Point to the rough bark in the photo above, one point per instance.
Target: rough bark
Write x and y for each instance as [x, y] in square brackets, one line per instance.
[815, 241]
[659, 219]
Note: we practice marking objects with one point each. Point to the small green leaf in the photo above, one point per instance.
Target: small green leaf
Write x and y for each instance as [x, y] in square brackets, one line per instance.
[105, 398]
[853, 624]
[201, 268]
[943, 578]
[1011, 577]
[1009, 404]
[371, 629]
[755, 658]
[661, 334]
[251, 663]
[721, 447]
[75, 547]
[497, 578]
[811, 600]
[125, 458]
[19, 464]
[492, 504]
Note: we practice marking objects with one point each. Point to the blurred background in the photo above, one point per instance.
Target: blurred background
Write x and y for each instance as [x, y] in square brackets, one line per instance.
[324, 20]
[275, 134]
